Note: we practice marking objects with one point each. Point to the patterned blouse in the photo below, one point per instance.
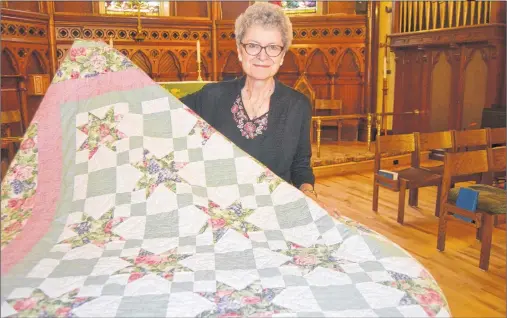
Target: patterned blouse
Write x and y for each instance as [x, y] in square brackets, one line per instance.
[249, 128]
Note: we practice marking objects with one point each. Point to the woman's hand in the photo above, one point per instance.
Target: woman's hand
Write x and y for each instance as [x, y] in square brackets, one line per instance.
[308, 190]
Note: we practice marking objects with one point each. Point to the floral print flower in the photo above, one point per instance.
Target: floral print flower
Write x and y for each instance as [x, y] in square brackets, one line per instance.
[101, 131]
[40, 305]
[86, 62]
[249, 128]
[18, 187]
[233, 217]
[158, 171]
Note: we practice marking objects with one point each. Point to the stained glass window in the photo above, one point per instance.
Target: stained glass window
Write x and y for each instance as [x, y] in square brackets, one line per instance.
[297, 7]
[148, 8]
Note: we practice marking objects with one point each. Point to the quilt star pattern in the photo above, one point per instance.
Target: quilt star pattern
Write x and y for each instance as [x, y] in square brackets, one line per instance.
[122, 202]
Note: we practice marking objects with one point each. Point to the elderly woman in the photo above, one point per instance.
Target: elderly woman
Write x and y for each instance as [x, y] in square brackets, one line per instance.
[268, 120]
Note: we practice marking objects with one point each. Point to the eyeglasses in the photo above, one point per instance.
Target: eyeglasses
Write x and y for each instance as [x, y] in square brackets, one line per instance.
[271, 50]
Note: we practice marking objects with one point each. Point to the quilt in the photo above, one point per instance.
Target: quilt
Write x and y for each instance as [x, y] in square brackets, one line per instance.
[122, 202]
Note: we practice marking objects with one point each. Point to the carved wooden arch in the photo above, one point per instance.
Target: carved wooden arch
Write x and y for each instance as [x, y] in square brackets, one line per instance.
[168, 62]
[437, 55]
[192, 61]
[227, 59]
[39, 59]
[470, 52]
[290, 63]
[356, 59]
[311, 57]
[304, 86]
[142, 61]
[12, 60]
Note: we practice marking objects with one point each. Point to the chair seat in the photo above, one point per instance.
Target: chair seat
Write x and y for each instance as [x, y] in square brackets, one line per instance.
[491, 199]
[417, 177]
[435, 169]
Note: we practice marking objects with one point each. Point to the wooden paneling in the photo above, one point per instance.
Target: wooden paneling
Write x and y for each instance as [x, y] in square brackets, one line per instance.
[343, 7]
[330, 49]
[192, 9]
[474, 98]
[74, 6]
[470, 89]
[32, 6]
[232, 9]
[440, 100]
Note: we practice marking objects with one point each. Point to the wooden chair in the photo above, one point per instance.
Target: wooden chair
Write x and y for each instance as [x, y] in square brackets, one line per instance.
[408, 179]
[10, 143]
[496, 137]
[428, 142]
[491, 201]
[328, 107]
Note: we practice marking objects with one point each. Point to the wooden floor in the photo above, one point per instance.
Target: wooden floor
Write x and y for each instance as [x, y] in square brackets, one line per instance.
[470, 291]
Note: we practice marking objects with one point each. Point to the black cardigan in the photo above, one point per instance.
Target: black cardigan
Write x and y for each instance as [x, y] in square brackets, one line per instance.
[284, 147]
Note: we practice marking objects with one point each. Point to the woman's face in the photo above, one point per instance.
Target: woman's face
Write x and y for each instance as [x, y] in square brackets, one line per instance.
[265, 63]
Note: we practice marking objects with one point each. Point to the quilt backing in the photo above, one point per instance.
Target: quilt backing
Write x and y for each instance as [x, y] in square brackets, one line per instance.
[122, 202]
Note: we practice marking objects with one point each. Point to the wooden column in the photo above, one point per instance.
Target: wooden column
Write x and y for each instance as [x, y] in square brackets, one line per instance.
[23, 100]
[52, 38]
[215, 15]
[372, 43]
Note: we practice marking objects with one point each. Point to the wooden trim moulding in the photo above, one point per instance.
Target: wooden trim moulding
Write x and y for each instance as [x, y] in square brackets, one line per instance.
[468, 34]
[19, 15]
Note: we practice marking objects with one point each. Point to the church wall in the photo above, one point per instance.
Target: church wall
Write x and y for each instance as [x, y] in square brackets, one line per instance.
[329, 48]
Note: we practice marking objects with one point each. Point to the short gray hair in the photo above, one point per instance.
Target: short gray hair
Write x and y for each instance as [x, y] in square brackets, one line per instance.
[268, 16]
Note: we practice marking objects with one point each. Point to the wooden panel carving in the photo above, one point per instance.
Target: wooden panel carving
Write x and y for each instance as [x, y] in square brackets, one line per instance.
[469, 90]
[475, 89]
[440, 101]
[127, 34]
[33, 32]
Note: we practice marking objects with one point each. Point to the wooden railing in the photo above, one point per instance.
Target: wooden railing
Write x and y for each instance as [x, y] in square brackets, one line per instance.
[416, 16]
[372, 118]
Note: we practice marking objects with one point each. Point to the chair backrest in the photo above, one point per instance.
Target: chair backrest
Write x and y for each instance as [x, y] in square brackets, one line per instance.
[497, 158]
[497, 136]
[393, 143]
[328, 104]
[11, 117]
[465, 163]
[474, 138]
[435, 140]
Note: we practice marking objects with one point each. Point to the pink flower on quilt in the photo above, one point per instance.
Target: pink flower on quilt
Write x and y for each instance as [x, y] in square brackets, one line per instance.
[22, 172]
[265, 314]
[429, 297]
[217, 223]
[230, 315]
[251, 300]
[305, 259]
[27, 144]
[74, 75]
[15, 203]
[150, 259]
[135, 276]
[63, 311]
[104, 130]
[24, 304]
[234, 109]
[75, 52]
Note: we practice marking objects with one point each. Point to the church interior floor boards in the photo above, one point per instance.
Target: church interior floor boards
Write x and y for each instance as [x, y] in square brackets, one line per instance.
[470, 291]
